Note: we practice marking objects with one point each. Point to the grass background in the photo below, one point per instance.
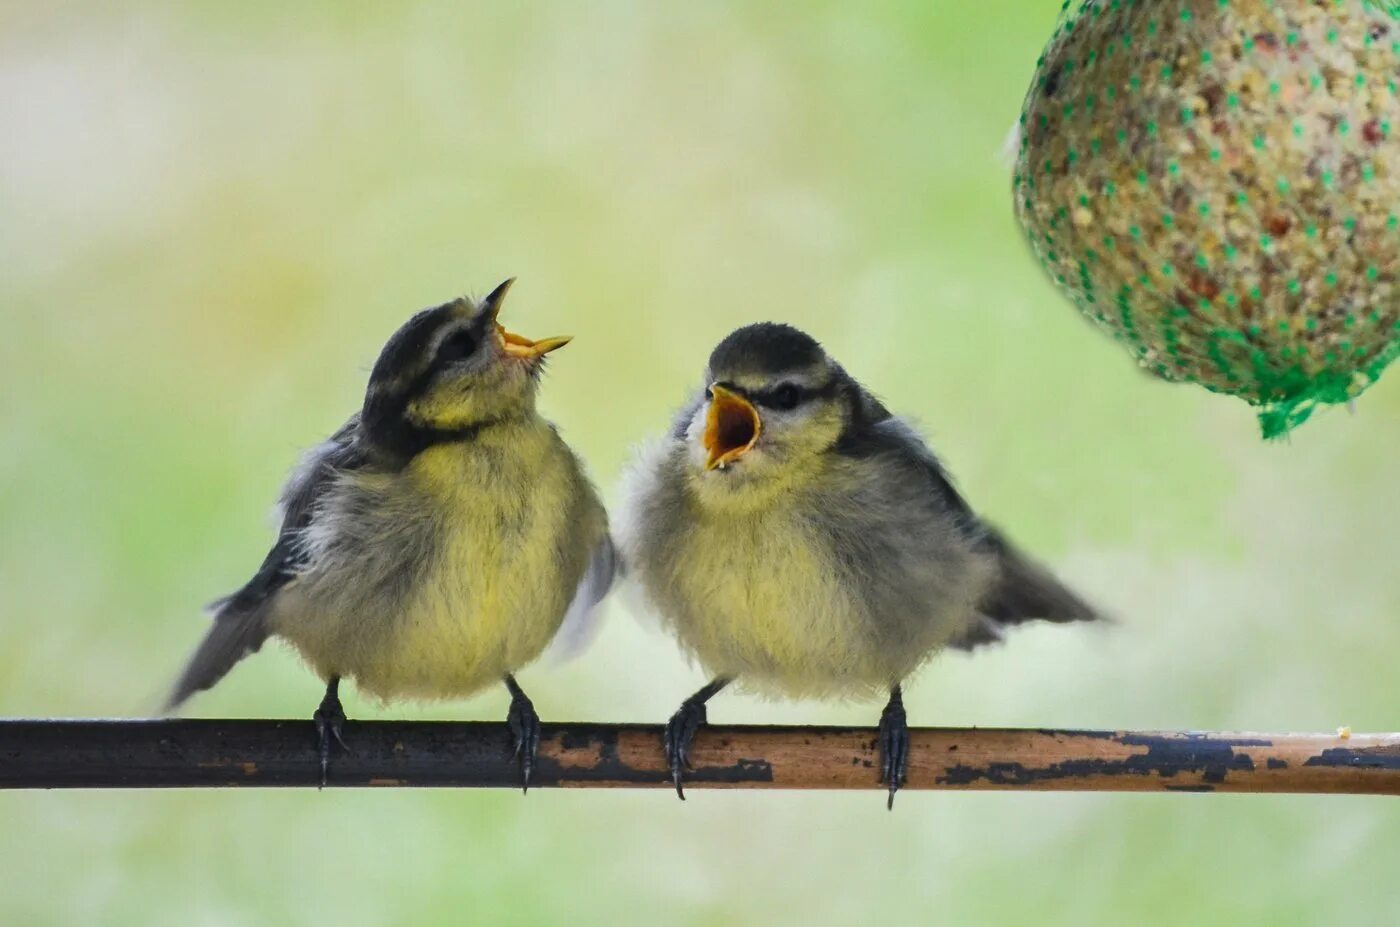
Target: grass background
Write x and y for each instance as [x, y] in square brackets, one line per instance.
[211, 217]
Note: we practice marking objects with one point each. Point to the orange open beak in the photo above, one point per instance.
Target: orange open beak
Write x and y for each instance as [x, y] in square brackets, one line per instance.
[732, 428]
[518, 345]
[522, 347]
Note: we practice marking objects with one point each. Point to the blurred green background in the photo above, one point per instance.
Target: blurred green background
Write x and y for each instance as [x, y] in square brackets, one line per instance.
[211, 217]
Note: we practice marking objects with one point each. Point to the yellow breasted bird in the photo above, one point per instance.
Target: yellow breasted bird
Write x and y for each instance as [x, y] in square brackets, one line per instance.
[437, 542]
[797, 537]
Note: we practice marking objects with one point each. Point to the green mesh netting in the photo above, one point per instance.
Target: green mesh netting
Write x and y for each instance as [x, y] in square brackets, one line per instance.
[1216, 183]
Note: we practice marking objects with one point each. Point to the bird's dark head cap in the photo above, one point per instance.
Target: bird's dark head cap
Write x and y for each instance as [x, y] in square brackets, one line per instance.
[765, 349]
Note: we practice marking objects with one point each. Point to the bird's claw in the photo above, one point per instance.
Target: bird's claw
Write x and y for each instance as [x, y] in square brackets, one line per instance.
[894, 746]
[330, 720]
[524, 726]
[680, 731]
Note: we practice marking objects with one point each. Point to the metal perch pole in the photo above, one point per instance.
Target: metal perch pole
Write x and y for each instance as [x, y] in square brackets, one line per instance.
[42, 754]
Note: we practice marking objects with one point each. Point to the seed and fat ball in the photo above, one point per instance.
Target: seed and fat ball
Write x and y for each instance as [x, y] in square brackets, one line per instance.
[1214, 185]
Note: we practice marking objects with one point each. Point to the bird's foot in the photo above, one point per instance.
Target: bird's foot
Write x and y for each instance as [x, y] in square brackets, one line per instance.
[524, 726]
[330, 719]
[894, 746]
[680, 731]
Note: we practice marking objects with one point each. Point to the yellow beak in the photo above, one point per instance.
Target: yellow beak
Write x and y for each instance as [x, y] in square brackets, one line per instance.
[518, 345]
[522, 347]
[732, 428]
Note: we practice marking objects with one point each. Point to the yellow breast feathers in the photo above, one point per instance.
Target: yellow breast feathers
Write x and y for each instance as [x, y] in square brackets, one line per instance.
[504, 527]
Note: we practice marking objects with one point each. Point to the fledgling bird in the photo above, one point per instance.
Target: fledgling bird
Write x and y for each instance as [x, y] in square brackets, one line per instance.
[797, 537]
[436, 542]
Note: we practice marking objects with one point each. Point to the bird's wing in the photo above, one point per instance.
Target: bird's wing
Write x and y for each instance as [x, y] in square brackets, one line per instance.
[893, 436]
[240, 619]
[580, 621]
[1023, 590]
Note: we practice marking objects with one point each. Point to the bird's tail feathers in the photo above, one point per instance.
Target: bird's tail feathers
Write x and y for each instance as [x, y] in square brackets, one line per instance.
[236, 632]
[1026, 591]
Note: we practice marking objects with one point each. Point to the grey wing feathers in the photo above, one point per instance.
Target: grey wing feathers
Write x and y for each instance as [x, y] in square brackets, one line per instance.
[1023, 589]
[897, 437]
[240, 626]
[579, 626]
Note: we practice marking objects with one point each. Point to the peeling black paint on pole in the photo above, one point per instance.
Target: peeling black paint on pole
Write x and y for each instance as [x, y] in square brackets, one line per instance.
[1166, 756]
[606, 766]
[1362, 758]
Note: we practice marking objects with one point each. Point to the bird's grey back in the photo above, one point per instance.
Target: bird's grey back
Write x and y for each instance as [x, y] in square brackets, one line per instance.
[1022, 590]
[907, 542]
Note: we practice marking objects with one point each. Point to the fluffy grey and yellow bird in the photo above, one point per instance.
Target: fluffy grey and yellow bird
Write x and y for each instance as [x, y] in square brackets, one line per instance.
[435, 543]
[797, 537]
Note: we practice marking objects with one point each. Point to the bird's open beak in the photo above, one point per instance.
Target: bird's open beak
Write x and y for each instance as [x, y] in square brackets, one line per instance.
[519, 346]
[731, 428]
[522, 347]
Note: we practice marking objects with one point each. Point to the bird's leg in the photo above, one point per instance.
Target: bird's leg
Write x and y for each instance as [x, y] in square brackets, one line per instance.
[329, 718]
[680, 730]
[894, 744]
[524, 727]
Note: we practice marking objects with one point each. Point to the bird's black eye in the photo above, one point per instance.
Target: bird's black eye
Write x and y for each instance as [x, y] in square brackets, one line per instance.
[459, 345]
[785, 396]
